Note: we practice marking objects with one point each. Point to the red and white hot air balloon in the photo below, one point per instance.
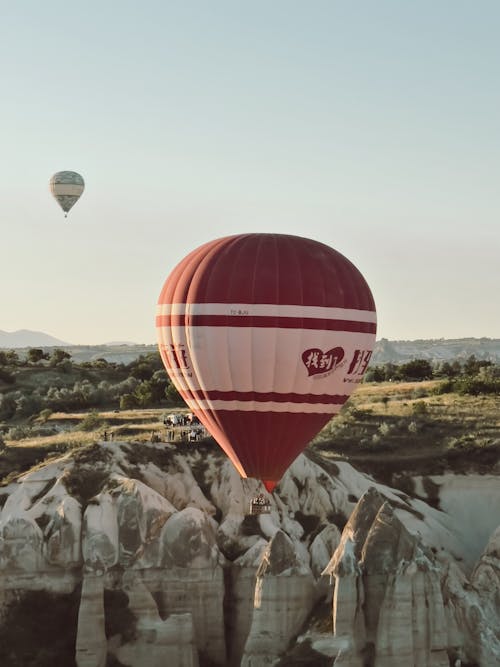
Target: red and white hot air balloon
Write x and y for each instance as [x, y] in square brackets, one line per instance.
[265, 337]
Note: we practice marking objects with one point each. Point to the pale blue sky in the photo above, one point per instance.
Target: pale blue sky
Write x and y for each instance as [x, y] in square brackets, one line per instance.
[371, 126]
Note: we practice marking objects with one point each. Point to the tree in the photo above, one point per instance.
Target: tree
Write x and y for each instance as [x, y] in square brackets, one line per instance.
[172, 395]
[418, 369]
[142, 371]
[44, 415]
[447, 370]
[8, 406]
[58, 356]
[6, 377]
[11, 358]
[144, 394]
[36, 354]
[128, 402]
[28, 405]
[145, 365]
[390, 371]
[158, 384]
[472, 366]
[100, 363]
[375, 374]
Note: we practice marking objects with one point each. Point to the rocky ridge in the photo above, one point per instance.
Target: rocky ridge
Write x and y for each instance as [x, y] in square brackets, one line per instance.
[173, 570]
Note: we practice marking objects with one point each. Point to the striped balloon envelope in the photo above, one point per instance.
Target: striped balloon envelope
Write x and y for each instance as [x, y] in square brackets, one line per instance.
[265, 337]
[66, 188]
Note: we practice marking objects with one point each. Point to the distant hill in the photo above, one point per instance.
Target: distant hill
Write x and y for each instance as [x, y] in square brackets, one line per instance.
[121, 353]
[25, 338]
[395, 351]
[400, 351]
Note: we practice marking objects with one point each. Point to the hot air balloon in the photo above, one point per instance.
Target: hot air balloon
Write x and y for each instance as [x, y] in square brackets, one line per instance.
[265, 336]
[67, 187]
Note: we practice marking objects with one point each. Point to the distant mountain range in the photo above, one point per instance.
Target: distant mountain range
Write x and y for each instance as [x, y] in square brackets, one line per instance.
[26, 338]
[400, 351]
[396, 351]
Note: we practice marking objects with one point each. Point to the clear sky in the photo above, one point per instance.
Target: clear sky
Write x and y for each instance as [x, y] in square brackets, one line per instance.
[372, 126]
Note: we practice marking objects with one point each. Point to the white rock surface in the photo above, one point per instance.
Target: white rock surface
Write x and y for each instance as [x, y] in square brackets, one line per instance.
[157, 642]
[284, 597]
[91, 648]
[206, 581]
[395, 603]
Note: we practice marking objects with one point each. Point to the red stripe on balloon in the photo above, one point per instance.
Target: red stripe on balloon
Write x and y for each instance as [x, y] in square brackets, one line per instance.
[264, 321]
[264, 444]
[264, 397]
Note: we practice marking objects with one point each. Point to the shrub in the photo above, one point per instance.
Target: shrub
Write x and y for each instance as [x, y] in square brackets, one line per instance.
[58, 356]
[6, 377]
[28, 405]
[8, 406]
[19, 432]
[384, 428]
[172, 395]
[445, 387]
[476, 386]
[90, 422]
[128, 402]
[45, 415]
[412, 427]
[419, 408]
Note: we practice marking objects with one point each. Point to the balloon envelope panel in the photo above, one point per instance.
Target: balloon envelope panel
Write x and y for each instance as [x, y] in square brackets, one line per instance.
[67, 188]
[265, 336]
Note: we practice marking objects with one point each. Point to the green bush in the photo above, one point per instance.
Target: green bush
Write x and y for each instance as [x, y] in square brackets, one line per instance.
[90, 422]
[8, 406]
[128, 402]
[476, 386]
[445, 387]
[6, 377]
[483, 383]
[45, 415]
[19, 432]
[419, 408]
[384, 428]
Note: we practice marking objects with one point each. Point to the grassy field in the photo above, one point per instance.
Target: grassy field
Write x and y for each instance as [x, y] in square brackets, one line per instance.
[385, 428]
[389, 427]
[76, 429]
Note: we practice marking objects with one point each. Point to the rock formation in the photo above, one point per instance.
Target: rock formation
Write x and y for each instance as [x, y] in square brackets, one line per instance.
[283, 598]
[396, 603]
[173, 569]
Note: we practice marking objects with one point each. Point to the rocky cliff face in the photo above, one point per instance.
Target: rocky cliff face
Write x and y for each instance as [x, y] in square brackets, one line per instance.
[167, 566]
[398, 603]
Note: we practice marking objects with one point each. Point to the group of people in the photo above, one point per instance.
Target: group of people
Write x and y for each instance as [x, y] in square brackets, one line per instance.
[180, 419]
[176, 426]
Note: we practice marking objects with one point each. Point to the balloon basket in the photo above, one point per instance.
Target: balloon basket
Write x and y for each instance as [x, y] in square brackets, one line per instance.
[260, 505]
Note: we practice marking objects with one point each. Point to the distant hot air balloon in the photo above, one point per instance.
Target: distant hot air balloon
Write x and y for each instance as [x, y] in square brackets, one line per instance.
[67, 187]
[265, 337]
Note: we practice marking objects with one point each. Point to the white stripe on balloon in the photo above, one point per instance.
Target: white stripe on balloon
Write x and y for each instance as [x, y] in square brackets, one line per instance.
[266, 310]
